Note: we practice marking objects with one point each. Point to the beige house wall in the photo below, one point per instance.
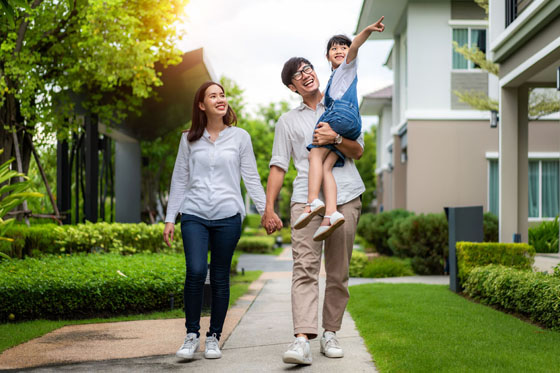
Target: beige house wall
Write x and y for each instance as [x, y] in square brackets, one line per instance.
[384, 191]
[544, 136]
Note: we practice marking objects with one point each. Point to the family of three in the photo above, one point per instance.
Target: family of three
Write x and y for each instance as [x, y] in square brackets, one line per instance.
[323, 137]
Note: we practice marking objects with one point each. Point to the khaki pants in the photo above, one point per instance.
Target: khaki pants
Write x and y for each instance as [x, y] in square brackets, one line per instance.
[307, 262]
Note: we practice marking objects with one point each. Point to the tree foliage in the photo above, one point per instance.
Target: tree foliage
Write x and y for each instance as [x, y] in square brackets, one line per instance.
[366, 167]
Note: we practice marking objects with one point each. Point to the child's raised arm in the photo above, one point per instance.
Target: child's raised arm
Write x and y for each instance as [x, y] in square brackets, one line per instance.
[362, 37]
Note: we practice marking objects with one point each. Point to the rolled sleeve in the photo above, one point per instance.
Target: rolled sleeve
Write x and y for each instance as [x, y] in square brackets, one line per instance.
[360, 140]
[281, 148]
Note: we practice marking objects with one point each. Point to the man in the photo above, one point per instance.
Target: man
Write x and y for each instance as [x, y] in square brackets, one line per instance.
[294, 131]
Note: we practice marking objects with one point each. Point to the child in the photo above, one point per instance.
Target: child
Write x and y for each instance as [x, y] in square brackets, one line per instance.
[343, 116]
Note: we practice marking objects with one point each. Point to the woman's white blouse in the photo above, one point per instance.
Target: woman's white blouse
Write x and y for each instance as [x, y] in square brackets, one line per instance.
[207, 176]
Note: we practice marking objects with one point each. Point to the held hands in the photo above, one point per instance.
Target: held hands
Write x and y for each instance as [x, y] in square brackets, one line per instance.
[377, 26]
[324, 134]
[271, 222]
[168, 233]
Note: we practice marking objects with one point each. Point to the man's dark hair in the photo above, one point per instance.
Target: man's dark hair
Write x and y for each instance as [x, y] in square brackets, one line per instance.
[290, 67]
[340, 40]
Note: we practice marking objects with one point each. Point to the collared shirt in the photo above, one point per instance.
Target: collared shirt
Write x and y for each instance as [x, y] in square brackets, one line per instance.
[207, 176]
[293, 132]
[342, 78]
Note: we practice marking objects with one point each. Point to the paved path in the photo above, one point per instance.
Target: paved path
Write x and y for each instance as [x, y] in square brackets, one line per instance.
[546, 262]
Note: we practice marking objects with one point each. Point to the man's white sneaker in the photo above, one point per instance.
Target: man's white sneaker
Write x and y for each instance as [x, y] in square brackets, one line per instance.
[330, 346]
[317, 207]
[299, 352]
[212, 350]
[189, 347]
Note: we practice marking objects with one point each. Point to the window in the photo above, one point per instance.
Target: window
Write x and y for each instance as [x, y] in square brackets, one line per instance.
[544, 188]
[471, 37]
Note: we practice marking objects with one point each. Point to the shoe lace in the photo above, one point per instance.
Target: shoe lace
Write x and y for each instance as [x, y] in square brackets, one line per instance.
[331, 342]
[189, 341]
[297, 345]
[212, 343]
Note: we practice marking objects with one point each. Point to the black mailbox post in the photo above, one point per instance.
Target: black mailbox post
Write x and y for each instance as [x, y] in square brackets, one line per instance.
[465, 224]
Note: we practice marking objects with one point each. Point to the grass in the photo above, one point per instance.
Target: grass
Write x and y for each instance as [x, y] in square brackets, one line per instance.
[12, 334]
[427, 328]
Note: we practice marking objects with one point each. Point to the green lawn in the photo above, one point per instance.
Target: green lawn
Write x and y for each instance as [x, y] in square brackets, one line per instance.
[12, 334]
[427, 328]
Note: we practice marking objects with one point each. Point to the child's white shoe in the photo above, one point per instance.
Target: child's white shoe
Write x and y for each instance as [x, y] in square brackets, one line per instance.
[324, 231]
[317, 207]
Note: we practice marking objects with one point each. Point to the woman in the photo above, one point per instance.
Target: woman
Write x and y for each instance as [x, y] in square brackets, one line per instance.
[205, 188]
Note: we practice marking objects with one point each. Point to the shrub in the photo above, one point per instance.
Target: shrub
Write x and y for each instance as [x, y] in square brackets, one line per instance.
[286, 234]
[491, 227]
[358, 263]
[79, 286]
[387, 267]
[544, 237]
[374, 228]
[253, 220]
[89, 237]
[424, 239]
[474, 254]
[535, 295]
[256, 244]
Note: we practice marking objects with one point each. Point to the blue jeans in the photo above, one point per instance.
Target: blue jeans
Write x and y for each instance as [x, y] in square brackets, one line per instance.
[221, 236]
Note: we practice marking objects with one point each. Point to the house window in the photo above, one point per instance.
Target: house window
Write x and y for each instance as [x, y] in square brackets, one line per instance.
[544, 188]
[471, 37]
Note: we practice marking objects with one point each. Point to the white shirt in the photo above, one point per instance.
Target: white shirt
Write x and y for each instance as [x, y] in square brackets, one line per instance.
[294, 131]
[343, 77]
[207, 176]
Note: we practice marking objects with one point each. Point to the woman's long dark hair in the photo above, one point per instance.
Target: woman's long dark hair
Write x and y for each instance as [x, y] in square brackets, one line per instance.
[199, 119]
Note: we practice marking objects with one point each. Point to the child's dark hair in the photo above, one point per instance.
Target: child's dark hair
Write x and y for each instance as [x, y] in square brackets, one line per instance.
[338, 40]
[290, 67]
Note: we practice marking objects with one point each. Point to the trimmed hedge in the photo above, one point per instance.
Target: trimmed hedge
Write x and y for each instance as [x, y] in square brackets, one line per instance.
[424, 239]
[358, 262]
[256, 244]
[379, 267]
[544, 237]
[476, 254]
[80, 286]
[82, 238]
[535, 295]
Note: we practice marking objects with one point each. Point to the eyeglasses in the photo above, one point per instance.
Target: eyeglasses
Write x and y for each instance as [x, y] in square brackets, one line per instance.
[308, 69]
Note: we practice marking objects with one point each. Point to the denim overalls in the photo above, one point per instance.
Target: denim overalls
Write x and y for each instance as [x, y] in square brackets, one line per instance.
[343, 116]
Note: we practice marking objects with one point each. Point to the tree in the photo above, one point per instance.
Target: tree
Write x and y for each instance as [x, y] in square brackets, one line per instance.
[100, 51]
[366, 167]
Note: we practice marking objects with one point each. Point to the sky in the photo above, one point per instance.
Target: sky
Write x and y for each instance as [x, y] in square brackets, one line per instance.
[249, 40]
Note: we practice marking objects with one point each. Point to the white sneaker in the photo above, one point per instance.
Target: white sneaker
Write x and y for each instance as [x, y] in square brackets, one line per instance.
[212, 350]
[324, 231]
[317, 207]
[330, 346]
[299, 352]
[189, 347]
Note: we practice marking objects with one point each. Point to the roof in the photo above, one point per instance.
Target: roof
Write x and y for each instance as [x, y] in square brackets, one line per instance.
[373, 102]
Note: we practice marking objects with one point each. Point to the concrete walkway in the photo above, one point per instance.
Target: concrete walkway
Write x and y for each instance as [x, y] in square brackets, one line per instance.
[258, 330]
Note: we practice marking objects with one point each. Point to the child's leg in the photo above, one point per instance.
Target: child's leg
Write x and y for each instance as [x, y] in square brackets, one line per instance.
[329, 186]
[315, 177]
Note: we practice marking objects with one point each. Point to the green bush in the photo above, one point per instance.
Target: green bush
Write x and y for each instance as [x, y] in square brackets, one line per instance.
[535, 295]
[384, 266]
[253, 220]
[491, 227]
[286, 234]
[424, 239]
[358, 263]
[544, 237]
[79, 286]
[374, 228]
[99, 237]
[256, 244]
[475, 254]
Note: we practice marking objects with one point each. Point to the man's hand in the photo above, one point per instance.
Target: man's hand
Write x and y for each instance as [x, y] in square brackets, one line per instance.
[271, 222]
[324, 134]
[168, 233]
[377, 26]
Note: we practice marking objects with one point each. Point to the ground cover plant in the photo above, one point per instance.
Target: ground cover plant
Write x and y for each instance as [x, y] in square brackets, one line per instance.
[427, 328]
[14, 333]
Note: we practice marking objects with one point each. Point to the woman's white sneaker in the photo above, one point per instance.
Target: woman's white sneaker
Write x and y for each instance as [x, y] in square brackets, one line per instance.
[212, 350]
[299, 352]
[330, 346]
[189, 347]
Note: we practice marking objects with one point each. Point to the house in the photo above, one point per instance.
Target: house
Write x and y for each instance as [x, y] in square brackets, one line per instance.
[433, 150]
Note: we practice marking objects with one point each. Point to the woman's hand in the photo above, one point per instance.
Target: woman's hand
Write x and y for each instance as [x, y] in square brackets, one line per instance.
[168, 233]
